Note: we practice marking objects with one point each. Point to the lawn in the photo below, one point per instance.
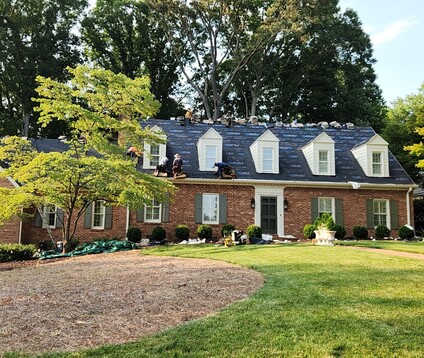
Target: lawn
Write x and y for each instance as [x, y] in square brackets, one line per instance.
[405, 246]
[316, 302]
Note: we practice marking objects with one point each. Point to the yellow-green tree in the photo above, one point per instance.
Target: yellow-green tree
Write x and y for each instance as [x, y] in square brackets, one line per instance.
[97, 106]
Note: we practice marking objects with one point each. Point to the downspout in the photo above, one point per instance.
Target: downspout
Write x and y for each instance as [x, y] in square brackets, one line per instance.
[127, 223]
[408, 207]
[20, 229]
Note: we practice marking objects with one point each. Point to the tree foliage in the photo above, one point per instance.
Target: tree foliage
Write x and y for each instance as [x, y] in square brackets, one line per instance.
[95, 104]
[404, 132]
[124, 37]
[36, 38]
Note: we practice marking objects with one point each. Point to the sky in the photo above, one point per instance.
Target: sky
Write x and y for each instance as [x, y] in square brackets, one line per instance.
[396, 28]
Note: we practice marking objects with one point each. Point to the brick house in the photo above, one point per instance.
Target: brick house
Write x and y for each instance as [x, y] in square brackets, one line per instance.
[286, 177]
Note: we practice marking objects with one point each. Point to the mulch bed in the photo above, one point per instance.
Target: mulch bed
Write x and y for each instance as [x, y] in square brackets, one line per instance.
[87, 301]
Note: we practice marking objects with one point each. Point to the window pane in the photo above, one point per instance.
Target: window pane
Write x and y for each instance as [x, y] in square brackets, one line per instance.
[380, 212]
[152, 212]
[323, 161]
[267, 158]
[376, 163]
[325, 205]
[210, 208]
[154, 155]
[210, 158]
[98, 214]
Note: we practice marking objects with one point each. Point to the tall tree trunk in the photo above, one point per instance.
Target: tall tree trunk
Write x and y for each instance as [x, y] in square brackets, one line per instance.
[26, 117]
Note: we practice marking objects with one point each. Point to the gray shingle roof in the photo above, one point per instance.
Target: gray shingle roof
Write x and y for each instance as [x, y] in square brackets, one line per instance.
[293, 166]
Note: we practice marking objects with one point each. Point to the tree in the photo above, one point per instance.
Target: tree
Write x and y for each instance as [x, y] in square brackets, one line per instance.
[405, 130]
[95, 104]
[36, 38]
[221, 37]
[124, 37]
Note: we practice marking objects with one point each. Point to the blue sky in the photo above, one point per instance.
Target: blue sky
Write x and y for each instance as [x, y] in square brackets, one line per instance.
[396, 28]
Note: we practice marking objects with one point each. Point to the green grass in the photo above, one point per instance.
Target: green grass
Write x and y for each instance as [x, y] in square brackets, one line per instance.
[316, 302]
[406, 246]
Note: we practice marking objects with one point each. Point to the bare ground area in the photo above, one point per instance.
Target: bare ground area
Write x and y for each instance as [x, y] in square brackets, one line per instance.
[87, 301]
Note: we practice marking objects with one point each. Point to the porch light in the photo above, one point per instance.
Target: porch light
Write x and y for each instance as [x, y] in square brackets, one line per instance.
[286, 204]
[252, 203]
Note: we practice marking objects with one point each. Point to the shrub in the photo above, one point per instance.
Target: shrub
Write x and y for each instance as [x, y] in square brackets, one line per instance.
[360, 232]
[406, 233]
[204, 232]
[308, 231]
[254, 231]
[182, 232]
[16, 252]
[340, 231]
[71, 244]
[134, 234]
[382, 231]
[158, 233]
[227, 229]
[325, 221]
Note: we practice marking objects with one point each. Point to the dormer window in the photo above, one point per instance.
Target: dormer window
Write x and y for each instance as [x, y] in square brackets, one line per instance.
[373, 157]
[209, 150]
[265, 153]
[153, 152]
[320, 156]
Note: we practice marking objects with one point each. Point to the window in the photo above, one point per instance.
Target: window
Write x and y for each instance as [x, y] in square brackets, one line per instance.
[49, 213]
[154, 155]
[380, 213]
[210, 154]
[325, 205]
[323, 161]
[98, 215]
[267, 159]
[210, 208]
[152, 213]
[376, 163]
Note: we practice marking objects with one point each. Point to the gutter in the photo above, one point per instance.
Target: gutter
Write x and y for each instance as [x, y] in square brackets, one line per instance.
[127, 222]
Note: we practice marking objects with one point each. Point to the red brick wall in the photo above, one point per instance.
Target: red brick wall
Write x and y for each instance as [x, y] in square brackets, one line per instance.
[9, 232]
[354, 207]
[182, 209]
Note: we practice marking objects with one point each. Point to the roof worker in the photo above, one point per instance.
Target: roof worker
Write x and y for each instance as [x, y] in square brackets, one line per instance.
[162, 166]
[189, 114]
[177, 165]
[133, 153]
[220, 167]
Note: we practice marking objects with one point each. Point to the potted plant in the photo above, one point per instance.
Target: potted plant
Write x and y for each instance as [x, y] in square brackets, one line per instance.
[324, 232]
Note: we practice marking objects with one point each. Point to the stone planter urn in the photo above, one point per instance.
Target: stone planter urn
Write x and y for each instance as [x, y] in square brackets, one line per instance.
[325, 237]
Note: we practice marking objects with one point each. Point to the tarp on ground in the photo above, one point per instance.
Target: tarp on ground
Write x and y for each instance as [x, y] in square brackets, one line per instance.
[96, 247]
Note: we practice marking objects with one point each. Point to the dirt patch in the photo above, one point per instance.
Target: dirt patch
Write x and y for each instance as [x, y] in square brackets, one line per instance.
[87, 301]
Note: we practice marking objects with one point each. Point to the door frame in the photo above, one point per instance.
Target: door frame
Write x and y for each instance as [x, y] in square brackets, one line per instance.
[278, 192]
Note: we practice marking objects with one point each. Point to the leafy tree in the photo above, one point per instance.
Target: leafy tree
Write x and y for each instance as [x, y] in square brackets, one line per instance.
[36, 38]
[95, 104]
[123, 36]
[221, 37]
[405, 120]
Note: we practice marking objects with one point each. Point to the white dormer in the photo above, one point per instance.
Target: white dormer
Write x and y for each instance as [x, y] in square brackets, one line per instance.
[265, 153]
[153, 152]
[373, 157]
[320, 155]
[209, 150]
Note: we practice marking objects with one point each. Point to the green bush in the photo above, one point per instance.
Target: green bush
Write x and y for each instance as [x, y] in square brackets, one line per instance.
[182, 232]
[308, 231]
[254, 231]
[406, 233]
[204, 232]
[227, 229]
[134, 234]
[158, 233]
[16, 252]
[71, 244]
[360, 232]
[381, 232]
[340, 231]
[325, 221]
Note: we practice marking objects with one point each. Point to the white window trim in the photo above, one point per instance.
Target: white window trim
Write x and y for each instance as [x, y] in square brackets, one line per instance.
[148, 220]
[326, 162]
[147, 158]
[45, 220]
[271, 159]
[211, 222]
[103, 213]
[215, 157]
[388, 223]
[380, 163]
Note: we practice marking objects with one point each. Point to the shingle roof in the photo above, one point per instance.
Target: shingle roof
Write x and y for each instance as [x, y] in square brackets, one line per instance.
[292, 163]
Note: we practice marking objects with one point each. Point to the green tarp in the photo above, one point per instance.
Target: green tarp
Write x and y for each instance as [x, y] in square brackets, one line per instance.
[96, 247]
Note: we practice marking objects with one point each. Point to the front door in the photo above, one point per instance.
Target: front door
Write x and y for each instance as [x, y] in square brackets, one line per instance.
[269, 214]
